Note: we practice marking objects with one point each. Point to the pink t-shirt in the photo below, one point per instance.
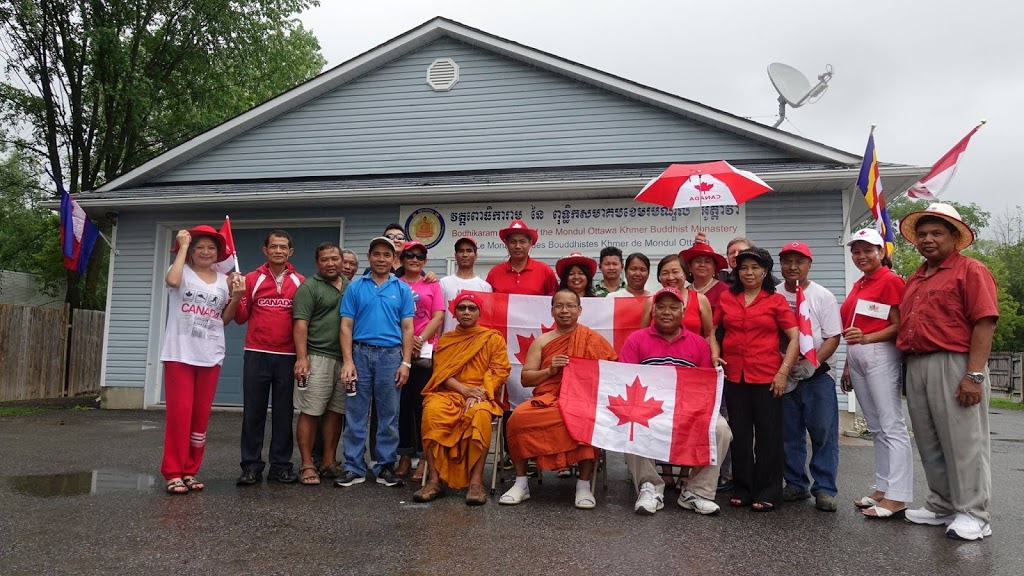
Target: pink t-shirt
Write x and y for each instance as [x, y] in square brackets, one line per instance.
[428, 298]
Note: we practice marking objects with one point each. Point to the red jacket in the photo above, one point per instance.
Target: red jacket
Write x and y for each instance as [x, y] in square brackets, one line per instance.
[268, 311]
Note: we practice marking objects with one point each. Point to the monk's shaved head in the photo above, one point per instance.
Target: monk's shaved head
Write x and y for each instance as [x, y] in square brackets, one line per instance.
[566, 291]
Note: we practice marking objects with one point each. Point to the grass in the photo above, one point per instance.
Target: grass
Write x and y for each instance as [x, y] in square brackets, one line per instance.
[20, 410]
[1006, 404]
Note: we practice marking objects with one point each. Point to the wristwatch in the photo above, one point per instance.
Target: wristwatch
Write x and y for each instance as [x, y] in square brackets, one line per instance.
[976, 377]
[407, 364]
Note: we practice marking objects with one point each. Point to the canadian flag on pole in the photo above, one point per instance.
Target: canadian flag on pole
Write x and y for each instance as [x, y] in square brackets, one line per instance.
[803, 322]
[231, 263]
[663, 412]
[938, 178]
[521, 319]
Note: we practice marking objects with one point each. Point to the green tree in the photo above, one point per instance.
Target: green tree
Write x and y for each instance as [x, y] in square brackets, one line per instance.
[97, 88]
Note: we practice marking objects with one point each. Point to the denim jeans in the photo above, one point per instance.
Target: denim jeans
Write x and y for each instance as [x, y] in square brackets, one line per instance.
[375, 371]
[812, 409]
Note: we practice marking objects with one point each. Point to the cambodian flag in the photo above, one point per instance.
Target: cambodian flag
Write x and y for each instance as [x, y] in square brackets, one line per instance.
[77, 233]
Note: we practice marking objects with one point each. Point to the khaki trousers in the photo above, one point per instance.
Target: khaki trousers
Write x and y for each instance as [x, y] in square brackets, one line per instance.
[953, 441]
[702, 481]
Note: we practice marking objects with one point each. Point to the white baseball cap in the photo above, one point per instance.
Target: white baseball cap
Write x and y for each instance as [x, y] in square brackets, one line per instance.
[869, 235]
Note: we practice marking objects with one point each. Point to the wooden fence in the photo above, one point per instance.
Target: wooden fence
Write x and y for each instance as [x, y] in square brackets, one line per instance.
[44, 355]
[1004, 370]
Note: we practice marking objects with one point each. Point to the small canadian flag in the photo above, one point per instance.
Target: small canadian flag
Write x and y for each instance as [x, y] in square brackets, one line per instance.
[803, 322]
[663, 412]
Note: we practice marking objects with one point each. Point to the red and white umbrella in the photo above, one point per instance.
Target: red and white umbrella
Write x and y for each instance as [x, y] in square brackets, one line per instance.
[698, 185]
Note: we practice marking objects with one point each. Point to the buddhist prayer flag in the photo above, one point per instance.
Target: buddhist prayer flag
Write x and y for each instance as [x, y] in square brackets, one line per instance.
[663, 412]
[77, 233]
[935, 181]
[803, 323]
[521, 319]
[231, 263]
[870, 184]
[872, 309]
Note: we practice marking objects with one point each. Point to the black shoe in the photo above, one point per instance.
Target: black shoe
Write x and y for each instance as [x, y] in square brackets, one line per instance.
[284, 476]
[349, 478]
[387, 477]
[725, 485]
[248, 478]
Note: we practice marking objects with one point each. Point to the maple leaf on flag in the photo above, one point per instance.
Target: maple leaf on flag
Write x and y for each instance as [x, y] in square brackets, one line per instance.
[634, 408]
[526, 341]
[704, 186]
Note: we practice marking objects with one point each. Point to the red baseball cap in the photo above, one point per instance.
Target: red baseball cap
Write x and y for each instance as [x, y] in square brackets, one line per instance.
[671, 291]
[467, 239]
[799, 248]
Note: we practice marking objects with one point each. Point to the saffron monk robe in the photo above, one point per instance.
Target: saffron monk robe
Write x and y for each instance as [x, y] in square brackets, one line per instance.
[536, 429]
[460, 399]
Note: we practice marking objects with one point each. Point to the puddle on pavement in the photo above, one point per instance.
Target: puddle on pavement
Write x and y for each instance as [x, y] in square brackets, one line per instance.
[79, 483]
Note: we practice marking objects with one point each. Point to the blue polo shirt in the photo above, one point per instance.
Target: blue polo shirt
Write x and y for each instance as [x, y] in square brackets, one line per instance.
[377, 311]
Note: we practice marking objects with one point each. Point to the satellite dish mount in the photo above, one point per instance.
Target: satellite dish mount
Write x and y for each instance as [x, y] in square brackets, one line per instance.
[794, 88]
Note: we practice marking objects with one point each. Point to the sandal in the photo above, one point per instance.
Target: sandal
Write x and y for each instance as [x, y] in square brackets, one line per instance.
[404, 464]
[476, 495]
[309, 479]
[332, 470]
[176, 486]
[429, 492]
[417, 475]
[193, 484]
[762, 506]
[738, 502]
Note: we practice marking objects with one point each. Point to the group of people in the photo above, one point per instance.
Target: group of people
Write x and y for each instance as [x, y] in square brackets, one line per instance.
[430, 383]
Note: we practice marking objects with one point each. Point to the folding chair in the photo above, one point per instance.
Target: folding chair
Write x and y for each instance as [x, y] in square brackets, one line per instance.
[497, 449]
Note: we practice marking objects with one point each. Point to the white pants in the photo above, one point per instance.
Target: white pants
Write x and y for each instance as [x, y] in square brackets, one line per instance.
[875, 373]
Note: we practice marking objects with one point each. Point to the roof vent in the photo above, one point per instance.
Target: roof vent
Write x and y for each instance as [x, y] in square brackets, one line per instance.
[442, 74]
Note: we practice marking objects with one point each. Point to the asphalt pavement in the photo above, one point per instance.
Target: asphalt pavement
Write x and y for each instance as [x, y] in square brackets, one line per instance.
[80, 493]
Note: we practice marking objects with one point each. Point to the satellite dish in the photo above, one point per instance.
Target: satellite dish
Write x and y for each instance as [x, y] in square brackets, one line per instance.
[794, 88]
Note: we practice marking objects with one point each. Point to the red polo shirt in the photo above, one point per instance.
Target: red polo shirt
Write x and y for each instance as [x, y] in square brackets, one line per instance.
[536, 279]
[938, 312]
[646, 346]
[751, 345]
[884, 287]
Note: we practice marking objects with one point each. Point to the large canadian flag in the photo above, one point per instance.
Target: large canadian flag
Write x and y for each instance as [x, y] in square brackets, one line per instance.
[523, 318]
[663, 412]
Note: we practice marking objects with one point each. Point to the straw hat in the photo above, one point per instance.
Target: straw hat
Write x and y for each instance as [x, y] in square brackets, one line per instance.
[908, 225]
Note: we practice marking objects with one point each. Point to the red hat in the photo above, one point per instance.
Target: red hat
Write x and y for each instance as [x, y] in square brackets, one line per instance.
[575, 259]
[467, 239]
[671, 291]
[798, 247]
[466, 295]
[702, 249]
[518, 227]
[414, 244]
[218, 238]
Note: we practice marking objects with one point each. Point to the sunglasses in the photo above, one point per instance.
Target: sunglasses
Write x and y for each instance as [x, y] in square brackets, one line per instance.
[395, 236]
[414, 256]
[467, 308]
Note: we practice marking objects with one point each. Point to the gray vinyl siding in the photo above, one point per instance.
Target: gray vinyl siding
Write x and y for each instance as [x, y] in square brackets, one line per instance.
[135, 278]
[817, 219]
[502, 114]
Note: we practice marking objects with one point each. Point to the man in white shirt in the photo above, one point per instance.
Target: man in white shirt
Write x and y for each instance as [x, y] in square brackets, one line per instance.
[810, 406]
[465, 278]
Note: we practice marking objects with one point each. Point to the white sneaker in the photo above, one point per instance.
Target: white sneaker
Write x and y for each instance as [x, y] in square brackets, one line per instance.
[698, 504]
[967, 527]
[649, 500]
[926, 516]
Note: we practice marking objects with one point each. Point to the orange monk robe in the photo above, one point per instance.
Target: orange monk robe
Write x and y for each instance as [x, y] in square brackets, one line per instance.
[536, 429]
[458, 439]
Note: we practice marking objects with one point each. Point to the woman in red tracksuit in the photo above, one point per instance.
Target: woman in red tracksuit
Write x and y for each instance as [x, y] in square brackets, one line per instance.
[200, 300]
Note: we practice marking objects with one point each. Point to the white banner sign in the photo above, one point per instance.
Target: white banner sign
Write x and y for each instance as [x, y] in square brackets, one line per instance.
[575, 226]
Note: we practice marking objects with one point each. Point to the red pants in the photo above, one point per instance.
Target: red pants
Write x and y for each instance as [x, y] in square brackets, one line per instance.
[188, 391]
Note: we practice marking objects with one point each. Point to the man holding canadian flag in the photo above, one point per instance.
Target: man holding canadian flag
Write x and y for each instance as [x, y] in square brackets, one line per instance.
[810, 406]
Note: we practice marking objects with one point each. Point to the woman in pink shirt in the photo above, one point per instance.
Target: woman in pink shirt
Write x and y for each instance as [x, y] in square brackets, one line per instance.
[426, 326]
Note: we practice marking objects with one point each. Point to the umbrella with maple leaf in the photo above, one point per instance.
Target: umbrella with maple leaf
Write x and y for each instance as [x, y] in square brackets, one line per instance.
[697, 185]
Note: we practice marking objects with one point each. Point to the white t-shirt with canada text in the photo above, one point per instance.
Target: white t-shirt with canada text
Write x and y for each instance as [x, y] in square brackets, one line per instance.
[195, 331]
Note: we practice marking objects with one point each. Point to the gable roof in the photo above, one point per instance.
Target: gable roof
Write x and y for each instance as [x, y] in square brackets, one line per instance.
[441, 27]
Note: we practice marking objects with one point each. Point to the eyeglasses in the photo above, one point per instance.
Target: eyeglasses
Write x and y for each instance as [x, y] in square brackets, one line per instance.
[414, 256]
[564, 306]
[467, 308]
[395, 236]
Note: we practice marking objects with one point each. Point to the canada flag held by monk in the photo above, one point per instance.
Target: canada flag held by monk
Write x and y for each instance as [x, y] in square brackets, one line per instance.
[663, 412]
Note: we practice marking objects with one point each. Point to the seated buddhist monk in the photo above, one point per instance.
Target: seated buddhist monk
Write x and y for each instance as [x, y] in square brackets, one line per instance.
[536, 429]
[470, 367]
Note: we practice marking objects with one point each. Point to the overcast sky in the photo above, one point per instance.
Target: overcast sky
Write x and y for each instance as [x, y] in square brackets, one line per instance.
[924, 71]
